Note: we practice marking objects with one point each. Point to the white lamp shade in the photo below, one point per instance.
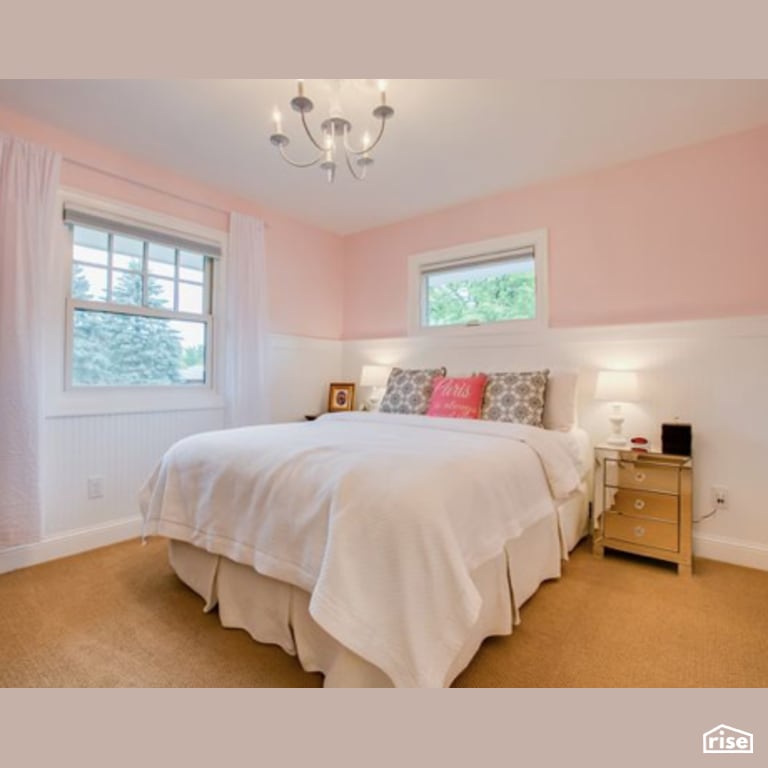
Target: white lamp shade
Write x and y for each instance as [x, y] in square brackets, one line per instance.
[617, 386]
[374, 376]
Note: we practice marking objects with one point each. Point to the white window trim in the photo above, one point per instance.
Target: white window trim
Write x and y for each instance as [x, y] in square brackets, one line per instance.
[63, 400]
[538, 239]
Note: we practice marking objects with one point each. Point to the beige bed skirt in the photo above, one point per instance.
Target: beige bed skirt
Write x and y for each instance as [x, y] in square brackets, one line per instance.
[274, 612]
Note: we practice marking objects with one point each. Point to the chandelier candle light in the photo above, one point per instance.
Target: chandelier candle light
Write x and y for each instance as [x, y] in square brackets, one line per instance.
[335, 131]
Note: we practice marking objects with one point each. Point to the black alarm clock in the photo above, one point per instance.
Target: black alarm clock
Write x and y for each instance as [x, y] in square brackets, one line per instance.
[676, 439]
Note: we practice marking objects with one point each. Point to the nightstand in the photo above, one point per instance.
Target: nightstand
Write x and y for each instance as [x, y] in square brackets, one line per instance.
[643, 504]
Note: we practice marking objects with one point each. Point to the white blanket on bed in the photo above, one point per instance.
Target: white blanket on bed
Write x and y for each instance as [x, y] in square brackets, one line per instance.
[380, 517]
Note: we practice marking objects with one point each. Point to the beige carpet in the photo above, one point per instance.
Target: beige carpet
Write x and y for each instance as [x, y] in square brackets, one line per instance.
[119, 617]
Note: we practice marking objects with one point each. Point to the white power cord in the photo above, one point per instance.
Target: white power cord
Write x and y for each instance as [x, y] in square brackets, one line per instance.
[704, 517]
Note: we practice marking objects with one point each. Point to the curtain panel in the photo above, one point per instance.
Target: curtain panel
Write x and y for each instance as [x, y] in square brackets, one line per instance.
[29, 178]
[246, 332]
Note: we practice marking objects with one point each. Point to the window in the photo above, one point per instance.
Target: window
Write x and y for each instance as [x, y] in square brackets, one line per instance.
[499, 283]
[139, 307]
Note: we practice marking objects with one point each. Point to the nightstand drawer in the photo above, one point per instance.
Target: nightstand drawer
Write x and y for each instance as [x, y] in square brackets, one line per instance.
[637, 530]
[657, 506]
[644, 476]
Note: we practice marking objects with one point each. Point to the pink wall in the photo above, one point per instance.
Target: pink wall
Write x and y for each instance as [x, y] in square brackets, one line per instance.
[682, 235]
[304, 263]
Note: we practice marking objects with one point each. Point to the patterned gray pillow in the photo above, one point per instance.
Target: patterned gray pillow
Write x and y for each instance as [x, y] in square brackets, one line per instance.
[409, 390]
[517, 397]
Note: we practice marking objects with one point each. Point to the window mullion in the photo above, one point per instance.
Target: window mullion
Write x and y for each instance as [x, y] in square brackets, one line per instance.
[110, 246]
[145, 274]
[207, 284]
[176, 280]
[130, 309]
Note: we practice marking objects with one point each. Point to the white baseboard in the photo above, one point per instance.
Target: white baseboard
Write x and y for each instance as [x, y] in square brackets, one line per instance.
[732, 551]
[70, 543]
[724, 549]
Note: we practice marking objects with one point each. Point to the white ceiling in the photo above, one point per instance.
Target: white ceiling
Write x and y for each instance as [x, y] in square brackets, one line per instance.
[449, 141]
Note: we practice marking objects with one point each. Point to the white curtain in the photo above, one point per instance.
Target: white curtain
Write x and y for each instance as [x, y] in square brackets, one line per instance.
[246, 332]
[29, 177]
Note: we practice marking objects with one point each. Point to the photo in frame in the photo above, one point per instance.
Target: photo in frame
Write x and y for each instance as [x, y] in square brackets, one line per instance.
[341, 397]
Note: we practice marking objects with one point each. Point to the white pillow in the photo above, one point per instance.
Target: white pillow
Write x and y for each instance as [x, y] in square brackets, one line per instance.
[560, 400]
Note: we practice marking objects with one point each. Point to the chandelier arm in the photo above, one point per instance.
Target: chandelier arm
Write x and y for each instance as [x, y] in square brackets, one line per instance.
[361, 177]
[309, 133]
[366, 149]
[300, 165]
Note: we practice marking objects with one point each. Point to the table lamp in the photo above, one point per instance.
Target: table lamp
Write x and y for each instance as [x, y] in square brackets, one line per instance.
[375, 377]
[617, 387]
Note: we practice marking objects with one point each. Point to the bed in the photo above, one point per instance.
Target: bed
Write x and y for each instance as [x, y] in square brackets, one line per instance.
[381, 549]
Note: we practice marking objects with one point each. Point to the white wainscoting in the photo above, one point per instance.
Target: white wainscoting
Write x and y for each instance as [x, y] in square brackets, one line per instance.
[712, 373]
[120, 448]
[123, 448]
[301, 370]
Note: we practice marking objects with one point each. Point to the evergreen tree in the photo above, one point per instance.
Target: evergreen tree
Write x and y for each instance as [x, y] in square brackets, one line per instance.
[124, 349]
[90, 353]
[81, 288]
[194, 355]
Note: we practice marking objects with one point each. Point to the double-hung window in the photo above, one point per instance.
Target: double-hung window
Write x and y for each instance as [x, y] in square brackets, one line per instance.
[500, 284]
[139, 307]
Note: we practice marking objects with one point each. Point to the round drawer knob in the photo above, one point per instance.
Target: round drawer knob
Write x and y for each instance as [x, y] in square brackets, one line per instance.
[639, 504]
[640, 477]
[639, 531]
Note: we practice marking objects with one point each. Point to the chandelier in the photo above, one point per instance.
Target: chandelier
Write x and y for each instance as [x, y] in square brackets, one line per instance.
[335, 136]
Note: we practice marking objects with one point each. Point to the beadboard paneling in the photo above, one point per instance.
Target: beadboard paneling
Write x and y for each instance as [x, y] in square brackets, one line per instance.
[121, 448]
[711, 373]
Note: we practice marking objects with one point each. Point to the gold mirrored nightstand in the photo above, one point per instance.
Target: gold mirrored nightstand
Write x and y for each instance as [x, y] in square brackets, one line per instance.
[643, 504]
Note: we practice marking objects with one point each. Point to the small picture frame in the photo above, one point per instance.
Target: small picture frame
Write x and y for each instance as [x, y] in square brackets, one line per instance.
[341, 397]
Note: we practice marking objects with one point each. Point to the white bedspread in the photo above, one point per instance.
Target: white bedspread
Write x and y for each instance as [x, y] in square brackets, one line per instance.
[380, 517]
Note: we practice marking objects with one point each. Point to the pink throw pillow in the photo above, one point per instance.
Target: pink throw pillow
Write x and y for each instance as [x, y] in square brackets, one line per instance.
[457, 398]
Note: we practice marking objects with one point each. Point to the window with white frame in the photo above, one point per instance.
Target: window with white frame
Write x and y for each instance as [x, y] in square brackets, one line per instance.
[139, 306]
[499, 283]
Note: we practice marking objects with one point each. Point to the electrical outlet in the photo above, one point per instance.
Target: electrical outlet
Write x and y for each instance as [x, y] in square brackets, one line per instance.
[95, 487]
[719, 497]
